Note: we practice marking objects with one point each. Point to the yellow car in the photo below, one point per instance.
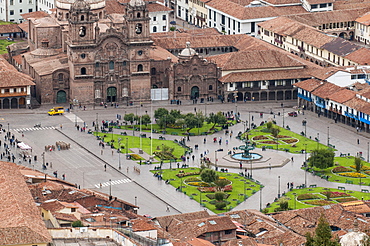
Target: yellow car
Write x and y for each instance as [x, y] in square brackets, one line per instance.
[56, 110]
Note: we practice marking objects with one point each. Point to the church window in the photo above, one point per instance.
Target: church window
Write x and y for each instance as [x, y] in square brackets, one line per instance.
[60, 77]
[210, 87]
[124, 63]
[97, 94]
[97, 64]
[111, 65]
[154, 29]
[138, 15]
[153, 71]
[82, 17]
[179, 89]
[140, 68]
[67, 16]
[140, 52]
[83, 55]
[83, 71]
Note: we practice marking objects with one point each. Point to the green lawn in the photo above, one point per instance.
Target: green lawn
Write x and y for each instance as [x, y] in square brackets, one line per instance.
[3, 44]
[345, 162]
[175, 131]
[288, 140]
[240, 187]
[296, 201]
[134, 142]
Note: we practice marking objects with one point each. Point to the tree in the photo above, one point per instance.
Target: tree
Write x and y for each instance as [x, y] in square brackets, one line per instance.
[166, 120]
[77, 223]
[208, 175]
[193, 121]
[176, 113]
[309, 240]
[159, 113]
[145, 119]
[322, 158]
[217, 118]
[129, 117]
[220, 184]
[269, 125]
[284, 204]
[275, 132]
[323, 236]
[219, 196]
[358, 164]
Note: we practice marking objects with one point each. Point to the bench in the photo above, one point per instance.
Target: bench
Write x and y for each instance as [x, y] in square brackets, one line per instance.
[269, 147]
[191, 134]
[365, 190]
[174, 133]
[341, 188]
[313, 186]
[349, 181]
[124, 133]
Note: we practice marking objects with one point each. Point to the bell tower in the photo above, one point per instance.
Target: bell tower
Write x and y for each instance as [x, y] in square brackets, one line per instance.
[137, 16]
[81, 24]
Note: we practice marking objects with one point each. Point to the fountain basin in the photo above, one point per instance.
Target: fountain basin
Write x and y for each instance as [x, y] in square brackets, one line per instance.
[252, 157]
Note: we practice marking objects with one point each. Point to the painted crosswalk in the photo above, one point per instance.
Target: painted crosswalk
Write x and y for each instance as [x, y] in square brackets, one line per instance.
[28, 129]
[72, 117]
[113, 182]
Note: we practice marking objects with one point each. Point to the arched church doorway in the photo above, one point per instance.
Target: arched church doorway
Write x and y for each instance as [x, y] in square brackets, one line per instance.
[111, 94]
[194, 92]
[61, 97]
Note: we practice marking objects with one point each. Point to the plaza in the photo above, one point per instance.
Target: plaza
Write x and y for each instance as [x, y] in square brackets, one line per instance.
[83, 164]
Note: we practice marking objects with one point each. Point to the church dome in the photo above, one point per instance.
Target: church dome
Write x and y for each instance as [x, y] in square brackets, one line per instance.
[187, 52]
[352, 238]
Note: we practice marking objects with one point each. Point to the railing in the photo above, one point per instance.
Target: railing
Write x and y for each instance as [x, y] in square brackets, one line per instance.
[143, 240]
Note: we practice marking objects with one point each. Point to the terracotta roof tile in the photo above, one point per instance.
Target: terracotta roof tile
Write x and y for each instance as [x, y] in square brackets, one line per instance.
[358, 207]
[156, 7]
[364, 19]
[10, 77]
[342, 95]
[326, 89]
[114, 7]
[341, 47]
[309, 84]
[142, 224]
[11, 28]
[21, 222]
[166, 220]
[36, 15]
[158, 53]
[65, 217]
[261, 59]
[360, 56]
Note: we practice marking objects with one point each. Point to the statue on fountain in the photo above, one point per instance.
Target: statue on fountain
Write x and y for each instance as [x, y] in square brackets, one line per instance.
[246, 148]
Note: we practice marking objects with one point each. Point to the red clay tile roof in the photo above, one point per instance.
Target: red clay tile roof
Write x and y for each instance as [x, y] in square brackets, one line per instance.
[10, 77]
[142, 224]
[243, 13]
[20, 222]
[156, 7]
[11, 28]
[254, 59]
[360, 56]
[65, 217]
[36, 15]
[342, 95]
[52, 206]
[359, 105]
[326, 89]
[358, 207]
[158, 53]
[309, 84]
[364, 19]
[166, 220]
[114, 7]
[23, 26]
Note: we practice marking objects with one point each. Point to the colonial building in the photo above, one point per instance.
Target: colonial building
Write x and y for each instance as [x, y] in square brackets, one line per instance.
[80, 53]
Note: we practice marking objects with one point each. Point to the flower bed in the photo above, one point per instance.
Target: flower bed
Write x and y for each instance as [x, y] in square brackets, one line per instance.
[259, 137]
[346, 199]
[353, 175]
[341, 169]
[334, 194]
[363, 168]
[319, 202]
[283, 136]
[136, 157]
[290, 141]
[213, 189]
[268, 142]
[307, 196]
[367, 172]
[181, 175]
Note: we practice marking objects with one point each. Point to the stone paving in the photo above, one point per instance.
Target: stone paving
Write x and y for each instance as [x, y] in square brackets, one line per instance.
[274, 179]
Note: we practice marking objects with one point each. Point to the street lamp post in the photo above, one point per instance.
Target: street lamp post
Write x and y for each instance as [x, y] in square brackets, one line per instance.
[367, 151]
[126, 147]
[110, 188]
[250, 161]
[318, 140]
[8, 128]
[96, 123]
[328, 137]
[261, 199]
[244, 191]
[283, 118]
[135, 200]
[216, 168]
[305, 127]
[119, 153]
[278, 186]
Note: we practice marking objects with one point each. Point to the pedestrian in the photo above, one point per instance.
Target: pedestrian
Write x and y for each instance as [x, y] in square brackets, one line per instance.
[240, 165]
[61, 126]
[63, 176]
[193, 157]
[227, 142]
[204, 141]
[288, 184]
[270, 166]
[127, 169]
[292, 158]
[358, 141]
[29, 161]
[105, 167]
[252, 117]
